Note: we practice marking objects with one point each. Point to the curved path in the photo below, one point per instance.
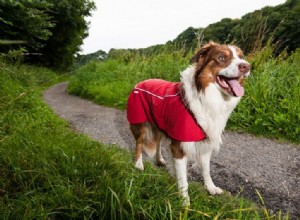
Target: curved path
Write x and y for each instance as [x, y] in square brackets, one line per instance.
[244, 164]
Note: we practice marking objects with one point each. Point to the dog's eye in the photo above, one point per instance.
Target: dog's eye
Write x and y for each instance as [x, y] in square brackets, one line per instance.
[222, 58]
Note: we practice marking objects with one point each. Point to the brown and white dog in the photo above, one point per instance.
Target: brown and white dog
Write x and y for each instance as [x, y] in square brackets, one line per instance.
[209, 91]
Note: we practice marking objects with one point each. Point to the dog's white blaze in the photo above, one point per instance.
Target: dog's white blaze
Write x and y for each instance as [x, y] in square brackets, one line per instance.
[233, 50]
[181, 174]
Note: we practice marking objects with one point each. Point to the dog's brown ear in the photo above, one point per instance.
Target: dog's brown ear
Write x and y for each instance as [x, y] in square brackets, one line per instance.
[202, 52]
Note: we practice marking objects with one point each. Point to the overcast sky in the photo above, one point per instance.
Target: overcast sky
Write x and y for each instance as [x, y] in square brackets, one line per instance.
[142, 23]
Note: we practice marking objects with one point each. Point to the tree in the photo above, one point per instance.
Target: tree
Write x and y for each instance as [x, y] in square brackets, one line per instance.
[53, 28]
[26, 22]
[68, 33]
[220, 31]
[287, 31]
[187, 39]
[84, 59]
[280, 24]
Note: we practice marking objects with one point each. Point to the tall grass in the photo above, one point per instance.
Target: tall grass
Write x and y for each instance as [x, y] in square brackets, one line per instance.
[50, 172]
[270, 107]
[110, 82]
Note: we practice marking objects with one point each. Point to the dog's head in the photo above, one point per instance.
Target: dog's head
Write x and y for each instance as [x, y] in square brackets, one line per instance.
[222, 65]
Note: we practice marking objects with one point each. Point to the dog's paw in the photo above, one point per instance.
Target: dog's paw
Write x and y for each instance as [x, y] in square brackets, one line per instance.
[161, 162]
[186, 201]
[213, 190]
[139, 165]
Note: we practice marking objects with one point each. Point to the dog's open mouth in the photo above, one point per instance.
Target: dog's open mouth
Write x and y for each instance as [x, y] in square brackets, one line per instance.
[230, 85]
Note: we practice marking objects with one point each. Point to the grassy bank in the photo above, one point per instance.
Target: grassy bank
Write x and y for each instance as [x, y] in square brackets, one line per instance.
[50, 172]
[270, 107]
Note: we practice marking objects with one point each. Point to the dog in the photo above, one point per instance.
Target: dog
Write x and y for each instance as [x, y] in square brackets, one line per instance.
[192, 113]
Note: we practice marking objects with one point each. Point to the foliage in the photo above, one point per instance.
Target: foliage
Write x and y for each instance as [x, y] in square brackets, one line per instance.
[279, 23]
[193, 38]
[288, 29]
[187, 39]
[68, 33]
[84, 59]
[52, 30]
[49, 172]
[24, 20]
[270, 106]
[13, 56]
[221, 31]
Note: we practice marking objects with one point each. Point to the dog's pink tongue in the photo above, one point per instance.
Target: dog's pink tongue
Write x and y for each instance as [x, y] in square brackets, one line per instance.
[236, 87]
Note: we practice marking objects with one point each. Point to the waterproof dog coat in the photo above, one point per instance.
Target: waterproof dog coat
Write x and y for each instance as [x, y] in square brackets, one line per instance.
[159, 102]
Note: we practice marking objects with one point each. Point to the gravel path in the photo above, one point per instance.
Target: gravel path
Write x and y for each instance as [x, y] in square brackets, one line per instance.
[245, 162]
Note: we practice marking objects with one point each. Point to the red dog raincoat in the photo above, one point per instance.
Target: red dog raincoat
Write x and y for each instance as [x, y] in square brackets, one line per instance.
[159, 102]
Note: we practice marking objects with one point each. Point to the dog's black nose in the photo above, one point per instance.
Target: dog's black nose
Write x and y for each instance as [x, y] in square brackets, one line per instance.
[244, 68]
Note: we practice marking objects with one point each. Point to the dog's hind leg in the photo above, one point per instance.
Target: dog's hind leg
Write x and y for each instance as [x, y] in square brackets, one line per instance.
[138, 132]
[138, 155]
[159, 158]
[146, 138]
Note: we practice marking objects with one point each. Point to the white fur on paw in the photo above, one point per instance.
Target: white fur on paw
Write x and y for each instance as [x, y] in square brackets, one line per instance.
[139, 164]
[186, 201]
[213, 190]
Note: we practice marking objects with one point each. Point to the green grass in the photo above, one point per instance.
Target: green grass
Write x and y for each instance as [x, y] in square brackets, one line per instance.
[109, 83]
[270, 106]
[49, 172]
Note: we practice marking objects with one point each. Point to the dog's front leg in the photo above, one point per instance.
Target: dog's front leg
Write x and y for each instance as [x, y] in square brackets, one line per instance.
[180, 164]
[205, 165]
[181, 174]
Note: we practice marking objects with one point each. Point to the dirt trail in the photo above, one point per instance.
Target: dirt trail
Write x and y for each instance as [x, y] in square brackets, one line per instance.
[244, 161]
